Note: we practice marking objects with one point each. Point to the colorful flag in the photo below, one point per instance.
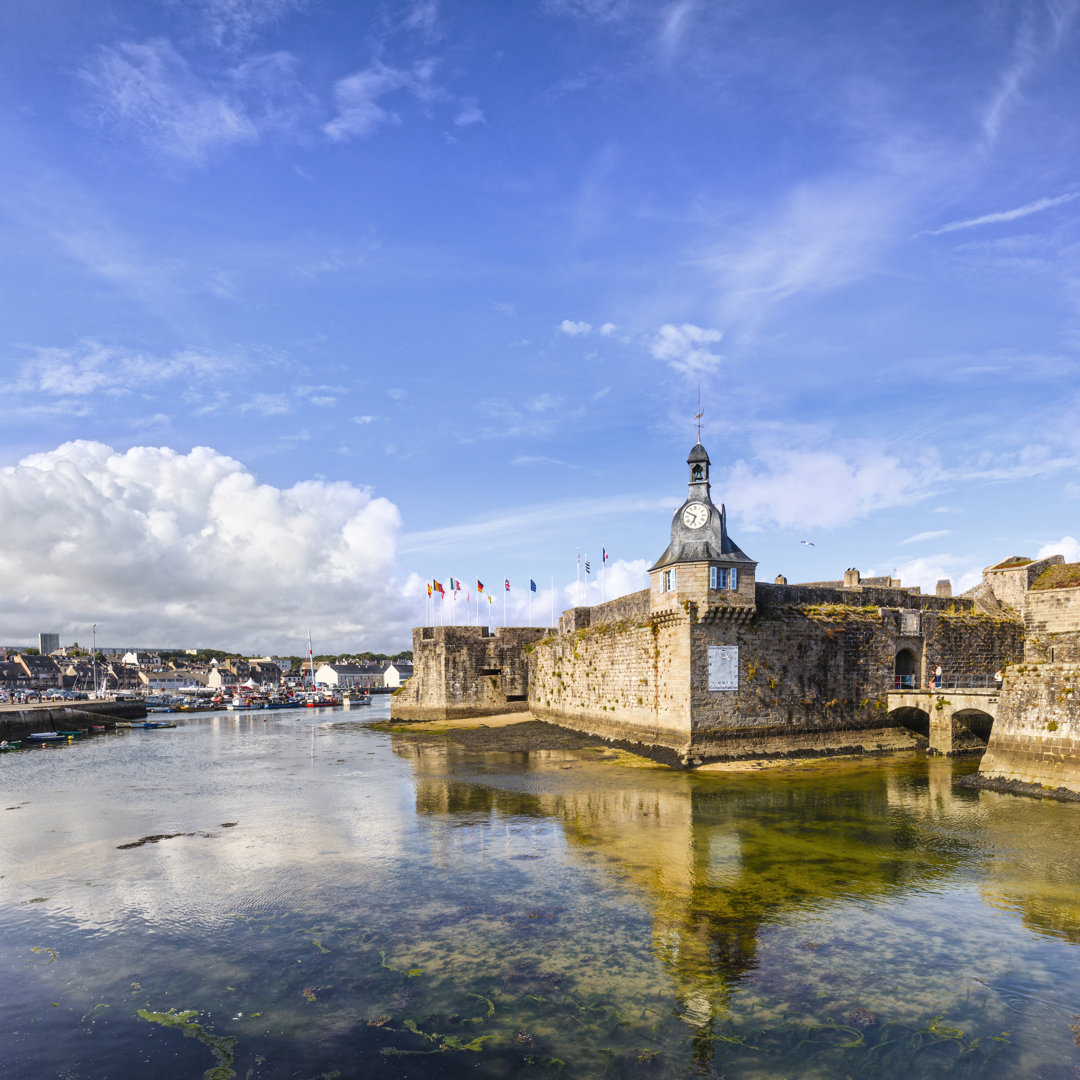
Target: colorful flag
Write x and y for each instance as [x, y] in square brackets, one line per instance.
[532, 585]
[468, 596]
[455, 585]
[491, 598]
[429, 588]
[439, 589]
[479, 586]
[606, 556]
[506, 584]
[588, 569]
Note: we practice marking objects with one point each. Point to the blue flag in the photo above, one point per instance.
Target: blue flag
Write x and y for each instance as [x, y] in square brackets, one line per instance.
[532, 584]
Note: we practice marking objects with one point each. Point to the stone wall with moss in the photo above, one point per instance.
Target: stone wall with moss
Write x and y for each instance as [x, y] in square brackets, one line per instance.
[971, 645]
[1052, 625]
[463, 671]
[627, 680]
[801, 668]
[1036, 735]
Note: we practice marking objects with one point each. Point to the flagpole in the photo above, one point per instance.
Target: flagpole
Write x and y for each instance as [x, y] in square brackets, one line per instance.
[603, 576]
[552, 601]
[505, 591]
[530, 602]
[579, 577]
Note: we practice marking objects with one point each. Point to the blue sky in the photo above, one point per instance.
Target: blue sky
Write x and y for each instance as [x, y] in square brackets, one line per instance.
[304, 303]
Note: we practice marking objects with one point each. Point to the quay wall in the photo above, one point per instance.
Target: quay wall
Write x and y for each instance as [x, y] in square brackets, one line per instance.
[1036, 735]
[19, 721]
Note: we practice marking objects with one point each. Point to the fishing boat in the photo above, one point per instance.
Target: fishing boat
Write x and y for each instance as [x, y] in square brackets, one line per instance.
[6, 745]
[47, 737]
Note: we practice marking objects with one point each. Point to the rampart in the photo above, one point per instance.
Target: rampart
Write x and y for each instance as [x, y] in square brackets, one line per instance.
[464, 671]
[813, 672]
[1036, 736]
[1052, 625]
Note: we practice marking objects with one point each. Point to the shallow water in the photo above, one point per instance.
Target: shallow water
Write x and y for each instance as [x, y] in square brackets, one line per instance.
[332, 901]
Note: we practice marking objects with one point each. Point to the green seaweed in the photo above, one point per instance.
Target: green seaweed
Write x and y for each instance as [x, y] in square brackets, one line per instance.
[409, 973]
[53, 954]
[221, 1046]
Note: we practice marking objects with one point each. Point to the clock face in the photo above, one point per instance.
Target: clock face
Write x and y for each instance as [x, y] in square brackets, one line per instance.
[695, 515]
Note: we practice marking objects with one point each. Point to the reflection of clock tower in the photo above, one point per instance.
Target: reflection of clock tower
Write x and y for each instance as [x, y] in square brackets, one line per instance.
[701, 564]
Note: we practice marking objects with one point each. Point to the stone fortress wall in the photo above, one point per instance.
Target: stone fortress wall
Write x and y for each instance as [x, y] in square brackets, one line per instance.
[1036, 736]
[698, 667]
[463, 671]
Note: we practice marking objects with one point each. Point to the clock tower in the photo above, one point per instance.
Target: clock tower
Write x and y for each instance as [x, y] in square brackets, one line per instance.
[702, 564]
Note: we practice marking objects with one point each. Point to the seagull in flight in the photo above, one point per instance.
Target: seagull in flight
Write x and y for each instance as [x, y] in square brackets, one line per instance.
[808, 543]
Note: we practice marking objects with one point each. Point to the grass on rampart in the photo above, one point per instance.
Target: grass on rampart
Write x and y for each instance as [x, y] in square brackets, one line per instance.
[838, 612]
[1059, 576]
[1012, 563]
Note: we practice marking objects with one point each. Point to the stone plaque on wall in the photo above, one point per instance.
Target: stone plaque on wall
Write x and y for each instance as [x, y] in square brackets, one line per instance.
[723, 667]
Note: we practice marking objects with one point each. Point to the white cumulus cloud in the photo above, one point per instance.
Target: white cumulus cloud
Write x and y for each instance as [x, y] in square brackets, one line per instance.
[574, 329]
[1068, 546]
[171, 549]
[686, 348]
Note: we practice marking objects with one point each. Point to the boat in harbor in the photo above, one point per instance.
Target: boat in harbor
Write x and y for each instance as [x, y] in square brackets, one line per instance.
[47, 737]
[9, 744]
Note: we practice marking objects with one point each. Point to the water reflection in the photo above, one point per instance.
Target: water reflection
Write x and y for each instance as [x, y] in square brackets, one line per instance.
[391, 906]
[721, 860]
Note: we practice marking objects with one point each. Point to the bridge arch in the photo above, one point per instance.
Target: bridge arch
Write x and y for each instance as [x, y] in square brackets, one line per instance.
[976, 722]
[913, 719]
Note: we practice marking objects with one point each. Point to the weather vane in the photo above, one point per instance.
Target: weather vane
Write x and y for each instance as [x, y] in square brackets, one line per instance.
[699, 414]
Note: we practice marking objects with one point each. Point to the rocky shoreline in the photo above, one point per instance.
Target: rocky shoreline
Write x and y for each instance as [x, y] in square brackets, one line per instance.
[1017, 787]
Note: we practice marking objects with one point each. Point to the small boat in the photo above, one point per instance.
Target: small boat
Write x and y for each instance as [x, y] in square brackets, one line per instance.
[47, 736]
[97, 727]
[154, 725]
[71, 734]
[5, 745]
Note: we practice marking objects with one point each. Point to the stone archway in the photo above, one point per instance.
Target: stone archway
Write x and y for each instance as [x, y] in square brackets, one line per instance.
[912, 719]
[906, 670]
[971, 730]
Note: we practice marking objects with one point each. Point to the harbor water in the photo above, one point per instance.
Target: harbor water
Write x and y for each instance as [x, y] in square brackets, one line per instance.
[295, 895]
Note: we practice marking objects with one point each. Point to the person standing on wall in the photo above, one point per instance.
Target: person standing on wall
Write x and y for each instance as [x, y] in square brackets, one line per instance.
[937, 677]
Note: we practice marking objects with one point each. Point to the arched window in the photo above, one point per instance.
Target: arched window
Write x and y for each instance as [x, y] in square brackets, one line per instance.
[697, 474]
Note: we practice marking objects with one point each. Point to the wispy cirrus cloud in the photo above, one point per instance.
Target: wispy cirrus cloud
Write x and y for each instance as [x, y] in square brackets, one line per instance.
[96, 368]
[919, 538]
[1000, 216]
[358, 98]
[186, 118]
[1041, 32]
[823, 234]
[234, 23]
[150, 89]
